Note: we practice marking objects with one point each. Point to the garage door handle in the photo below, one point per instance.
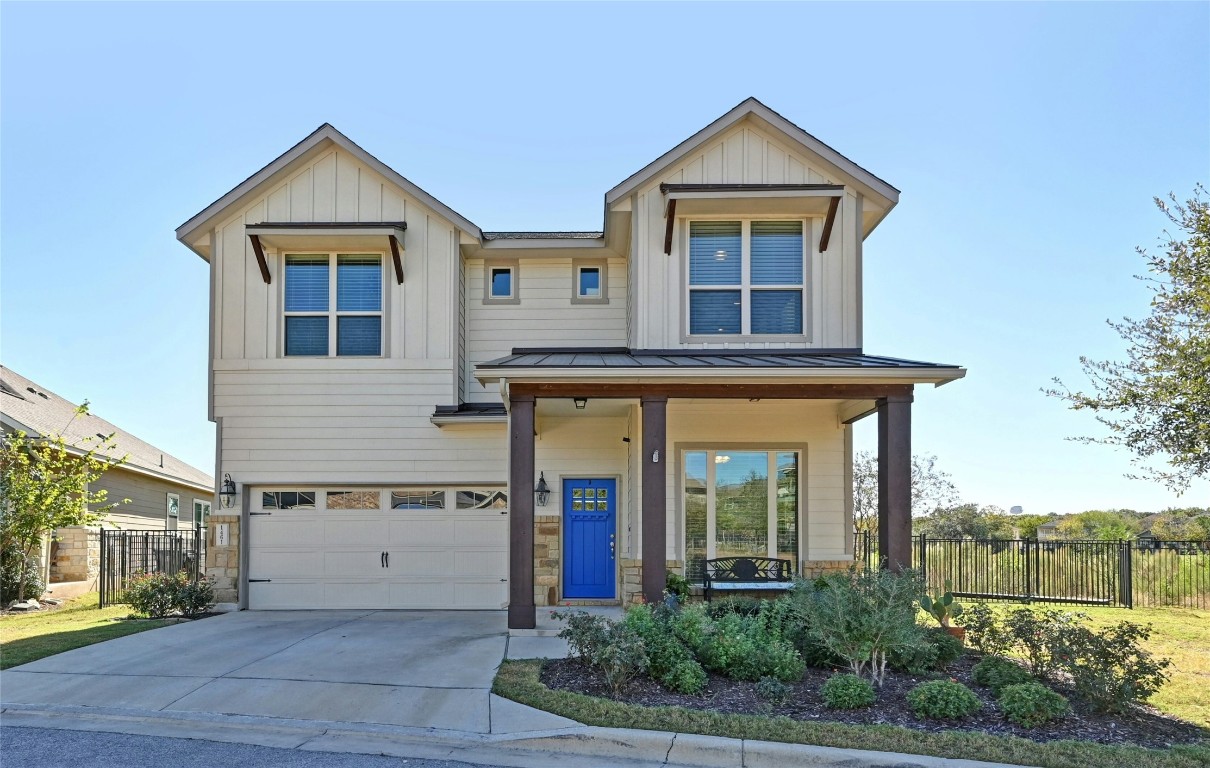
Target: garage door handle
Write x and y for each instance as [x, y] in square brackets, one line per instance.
[259, 581]
[259, 513]
[388, 557]
[382, 560]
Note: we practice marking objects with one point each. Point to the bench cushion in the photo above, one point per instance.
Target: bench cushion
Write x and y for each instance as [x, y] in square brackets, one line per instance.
[740, 585]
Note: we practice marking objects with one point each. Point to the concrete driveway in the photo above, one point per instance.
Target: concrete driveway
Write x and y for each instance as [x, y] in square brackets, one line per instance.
[423, 669]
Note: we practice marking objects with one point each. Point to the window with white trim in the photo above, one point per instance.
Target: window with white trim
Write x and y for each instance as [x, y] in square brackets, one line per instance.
[316, 326]
[737, 503]
[500, 282]
[746, 278]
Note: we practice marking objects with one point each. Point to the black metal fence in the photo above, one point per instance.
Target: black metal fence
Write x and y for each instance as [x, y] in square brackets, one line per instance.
[126, 554]
[1110, 573]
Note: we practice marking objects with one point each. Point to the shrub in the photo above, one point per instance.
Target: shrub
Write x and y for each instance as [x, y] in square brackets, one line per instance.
[195, 597]
[1031, 704]
[678, 585]
[1110, 669]
[864, 616]
[670, 662]
[997, 673]
[741, 648]
[1040, 637]
[155, 594]
[12, 560]
[939, 650]
[847, 692]
[686, 676]
[985, 632]
[738, 604]
[585, 634]
[623, 657]
[772, 690]
[942, 700]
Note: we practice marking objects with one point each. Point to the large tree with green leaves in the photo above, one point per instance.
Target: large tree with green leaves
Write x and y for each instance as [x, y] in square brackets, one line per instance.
[931, 488]
[1156, 403]
[44, 485]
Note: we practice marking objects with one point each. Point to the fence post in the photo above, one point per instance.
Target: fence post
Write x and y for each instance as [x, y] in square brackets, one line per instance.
[1126, 574]
[922, 548]
[101, 576]
[1029, 581]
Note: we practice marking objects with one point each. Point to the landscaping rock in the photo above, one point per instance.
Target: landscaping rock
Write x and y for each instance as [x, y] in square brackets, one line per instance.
[28, 605]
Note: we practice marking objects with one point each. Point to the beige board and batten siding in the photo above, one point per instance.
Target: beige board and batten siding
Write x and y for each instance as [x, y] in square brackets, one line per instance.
[810, 426]
[744, 155]
[543, 317]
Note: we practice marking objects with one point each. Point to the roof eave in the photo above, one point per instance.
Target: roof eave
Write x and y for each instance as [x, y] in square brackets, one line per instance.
[935, 376]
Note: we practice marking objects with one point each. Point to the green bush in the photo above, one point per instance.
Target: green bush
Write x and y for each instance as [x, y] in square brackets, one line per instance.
[741, 648]
[942, 700]
[939, 650]
[12, 560]
[864, 616]
[847, 692]
[1110, 669]
[586, 634]
[738, 604]
[686, 676]
[623, 658]
[195, 598]
[997, 673]
[772, 690]
[155, 594]
[670, 662]
[676, 584]
[985, 631]
[1040, 636]
[1031, 704]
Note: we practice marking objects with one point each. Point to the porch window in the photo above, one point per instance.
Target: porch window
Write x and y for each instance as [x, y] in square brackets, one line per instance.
[739, 503]
[311, 328]
[746, 277]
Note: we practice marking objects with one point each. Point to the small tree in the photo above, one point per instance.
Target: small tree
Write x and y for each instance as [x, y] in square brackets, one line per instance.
[931, 488]
[1156, 403]
[44, 486]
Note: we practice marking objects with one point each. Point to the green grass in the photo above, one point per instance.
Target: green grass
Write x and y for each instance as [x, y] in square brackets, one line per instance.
[518, 680]
[1180, 634]
[32, 636]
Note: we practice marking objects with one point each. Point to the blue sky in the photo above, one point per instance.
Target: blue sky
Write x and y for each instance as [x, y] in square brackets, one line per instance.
[1028, 140]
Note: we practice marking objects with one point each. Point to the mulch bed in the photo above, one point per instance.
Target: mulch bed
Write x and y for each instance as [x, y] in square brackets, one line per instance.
[1144, 726]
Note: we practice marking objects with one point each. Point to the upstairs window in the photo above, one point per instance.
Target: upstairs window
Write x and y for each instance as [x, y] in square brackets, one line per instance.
[500, 282]
[316, 328]
[746, 277]
[590, 280]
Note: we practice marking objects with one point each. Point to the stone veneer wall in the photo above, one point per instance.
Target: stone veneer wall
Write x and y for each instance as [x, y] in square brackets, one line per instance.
[222, 563]
[812, 569]
[77, 554]
[547, 538]
[632, 579]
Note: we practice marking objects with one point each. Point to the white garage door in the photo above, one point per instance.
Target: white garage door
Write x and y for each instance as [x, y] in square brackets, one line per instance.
[334, 548]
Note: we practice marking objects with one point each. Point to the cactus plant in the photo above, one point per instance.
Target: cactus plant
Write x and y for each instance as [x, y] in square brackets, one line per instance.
[943, 607]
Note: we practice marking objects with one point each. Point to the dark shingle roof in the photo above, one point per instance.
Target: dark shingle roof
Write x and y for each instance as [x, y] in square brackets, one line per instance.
[543, 235]
[467, 410]
[621, 357]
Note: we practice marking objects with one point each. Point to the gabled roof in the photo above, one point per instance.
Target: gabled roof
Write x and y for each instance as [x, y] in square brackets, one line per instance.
[324, 135]
[751, 107]
[39, 412]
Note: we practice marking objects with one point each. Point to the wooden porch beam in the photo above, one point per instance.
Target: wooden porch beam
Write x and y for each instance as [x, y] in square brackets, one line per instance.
[395, 255]
[828, 221]
[714, 391]
[521, 611]
[671, 219]
[260, 257]
[655, 497]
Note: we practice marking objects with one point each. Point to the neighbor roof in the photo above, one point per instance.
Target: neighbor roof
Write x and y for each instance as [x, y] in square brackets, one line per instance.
[39, 412]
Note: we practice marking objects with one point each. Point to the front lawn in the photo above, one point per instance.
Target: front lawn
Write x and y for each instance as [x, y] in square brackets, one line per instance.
[77, 623]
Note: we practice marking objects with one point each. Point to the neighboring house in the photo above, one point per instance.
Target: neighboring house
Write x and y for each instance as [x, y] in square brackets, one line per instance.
[417, 413]
[165, 493]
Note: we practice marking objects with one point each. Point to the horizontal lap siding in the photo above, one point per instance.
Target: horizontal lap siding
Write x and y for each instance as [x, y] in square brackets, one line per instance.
[745, 155]
[545, 316]
[325, 427]
[770, 422]
[148, 507]
[580, 447]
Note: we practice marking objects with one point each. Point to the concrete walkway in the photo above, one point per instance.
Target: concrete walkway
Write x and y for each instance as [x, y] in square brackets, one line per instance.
[408, 683]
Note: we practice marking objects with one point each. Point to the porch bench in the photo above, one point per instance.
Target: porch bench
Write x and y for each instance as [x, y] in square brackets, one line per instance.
[744, 574]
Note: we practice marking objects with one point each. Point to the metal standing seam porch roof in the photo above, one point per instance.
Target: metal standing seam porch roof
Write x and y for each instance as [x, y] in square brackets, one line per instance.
[833, 360]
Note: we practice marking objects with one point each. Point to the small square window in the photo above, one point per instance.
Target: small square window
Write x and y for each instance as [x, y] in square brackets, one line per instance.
[500, 282]
[590, 279]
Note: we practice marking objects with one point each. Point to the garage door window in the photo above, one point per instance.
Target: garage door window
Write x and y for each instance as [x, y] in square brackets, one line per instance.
[288, 500]
[419, 500]
[493, 498]
[354, 500]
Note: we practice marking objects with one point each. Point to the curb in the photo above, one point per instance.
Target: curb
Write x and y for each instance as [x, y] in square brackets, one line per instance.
[566, 748]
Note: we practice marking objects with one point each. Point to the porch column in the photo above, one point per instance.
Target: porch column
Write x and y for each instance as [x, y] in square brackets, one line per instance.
[895, 481]
[655, 497]
[521, 611]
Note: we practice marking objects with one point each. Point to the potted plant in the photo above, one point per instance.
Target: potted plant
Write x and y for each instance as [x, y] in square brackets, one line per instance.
[943, 608]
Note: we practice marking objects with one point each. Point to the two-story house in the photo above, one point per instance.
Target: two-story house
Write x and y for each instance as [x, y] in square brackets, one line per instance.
[420, 414]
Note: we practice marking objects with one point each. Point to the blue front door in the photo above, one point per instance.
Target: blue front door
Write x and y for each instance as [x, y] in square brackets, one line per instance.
[589, 547]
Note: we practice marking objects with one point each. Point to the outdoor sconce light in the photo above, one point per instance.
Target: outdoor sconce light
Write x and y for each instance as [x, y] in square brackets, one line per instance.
[227, 494]
[581, 403]
[542, 490]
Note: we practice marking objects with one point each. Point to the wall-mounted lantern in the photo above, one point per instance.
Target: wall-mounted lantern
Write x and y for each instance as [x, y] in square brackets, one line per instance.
[227, 494]
[542, 490]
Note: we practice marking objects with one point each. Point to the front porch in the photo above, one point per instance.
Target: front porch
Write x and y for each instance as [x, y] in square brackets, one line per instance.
[783, 416]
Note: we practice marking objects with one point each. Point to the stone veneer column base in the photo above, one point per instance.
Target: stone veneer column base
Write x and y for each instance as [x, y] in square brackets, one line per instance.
[547, 544]
[222, 563]
[77, 554]
[812, 569]
[632, 578]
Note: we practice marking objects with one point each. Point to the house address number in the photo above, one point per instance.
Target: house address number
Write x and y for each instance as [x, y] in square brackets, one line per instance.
[222, 534]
